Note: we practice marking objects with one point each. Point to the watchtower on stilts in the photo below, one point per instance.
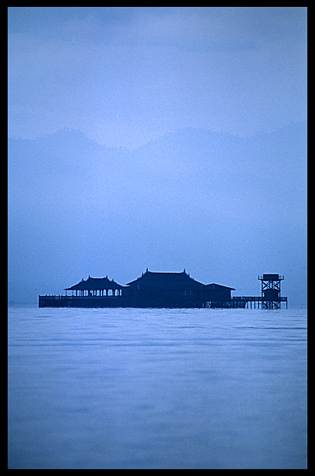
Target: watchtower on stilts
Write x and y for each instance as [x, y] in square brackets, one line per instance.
[271, 291]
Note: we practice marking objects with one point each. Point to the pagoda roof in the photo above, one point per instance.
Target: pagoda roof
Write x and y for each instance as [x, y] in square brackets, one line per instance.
[149, 279]
[95, 284]
[166, 281]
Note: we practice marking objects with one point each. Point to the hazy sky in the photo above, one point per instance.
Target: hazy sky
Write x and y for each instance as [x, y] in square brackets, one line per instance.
[125, 76]
[182, 145]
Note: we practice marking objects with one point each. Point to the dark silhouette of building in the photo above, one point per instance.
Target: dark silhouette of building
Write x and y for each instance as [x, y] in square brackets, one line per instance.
[270, 297]
[175, 290]
[151, 289]
[164, 290]
[271, 291]
[96, 287]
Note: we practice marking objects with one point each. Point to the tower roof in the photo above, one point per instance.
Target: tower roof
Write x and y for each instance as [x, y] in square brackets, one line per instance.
[270, 277]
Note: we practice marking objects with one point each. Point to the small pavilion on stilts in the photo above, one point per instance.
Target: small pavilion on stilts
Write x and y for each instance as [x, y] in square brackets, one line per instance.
[95, 287]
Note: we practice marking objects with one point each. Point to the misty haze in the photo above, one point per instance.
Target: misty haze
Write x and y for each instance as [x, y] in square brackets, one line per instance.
[224, 208]
[166, 144]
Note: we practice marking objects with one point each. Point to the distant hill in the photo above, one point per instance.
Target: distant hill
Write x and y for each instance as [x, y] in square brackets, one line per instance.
[221, 205]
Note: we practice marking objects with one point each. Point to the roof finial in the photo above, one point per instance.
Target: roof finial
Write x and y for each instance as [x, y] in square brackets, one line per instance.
[146, 270]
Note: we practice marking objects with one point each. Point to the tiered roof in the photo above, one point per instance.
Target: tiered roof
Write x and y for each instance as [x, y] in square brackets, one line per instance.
[149, 279]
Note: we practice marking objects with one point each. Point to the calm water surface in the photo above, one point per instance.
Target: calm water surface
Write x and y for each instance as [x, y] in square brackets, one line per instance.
[130, 388]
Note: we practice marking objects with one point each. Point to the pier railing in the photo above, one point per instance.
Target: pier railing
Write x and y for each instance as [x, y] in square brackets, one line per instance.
[58, 297]
[265, 303]
[117, 301]
[79, 301]
[257, 298]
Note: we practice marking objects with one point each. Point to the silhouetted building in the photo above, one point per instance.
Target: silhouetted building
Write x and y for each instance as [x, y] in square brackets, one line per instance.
[151, 289]
[169, 290]
[175, 290]
[96, 287]
[270, 297]
[271, 291]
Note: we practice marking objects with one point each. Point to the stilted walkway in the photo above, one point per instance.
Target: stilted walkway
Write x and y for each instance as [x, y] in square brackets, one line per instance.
[250, 301]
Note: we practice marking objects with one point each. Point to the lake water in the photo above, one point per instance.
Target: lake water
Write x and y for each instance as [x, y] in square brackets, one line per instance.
[156, 388]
